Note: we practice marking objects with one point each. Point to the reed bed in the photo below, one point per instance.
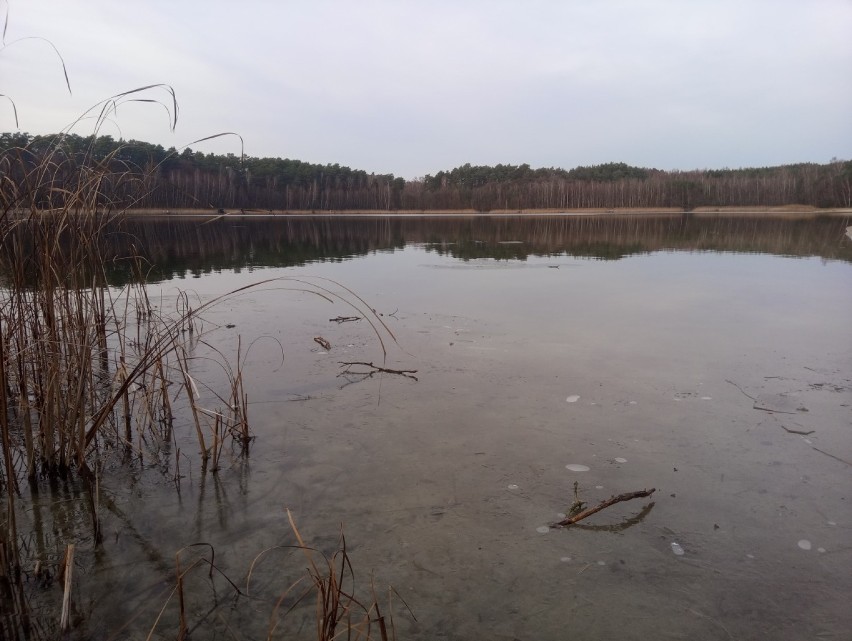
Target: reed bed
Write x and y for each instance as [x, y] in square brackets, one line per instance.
[90, 371]
[84, 367]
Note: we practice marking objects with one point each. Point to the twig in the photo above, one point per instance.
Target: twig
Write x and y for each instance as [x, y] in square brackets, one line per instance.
[578, 505]
[771, 410]
[803, 433]
[408, 373]
[741, 389]
[836, 458]
[301, 397]
[322, 342]
[605, 504]
[344, 319]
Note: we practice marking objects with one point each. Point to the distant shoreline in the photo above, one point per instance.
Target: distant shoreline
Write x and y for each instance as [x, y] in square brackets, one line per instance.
[787, 211]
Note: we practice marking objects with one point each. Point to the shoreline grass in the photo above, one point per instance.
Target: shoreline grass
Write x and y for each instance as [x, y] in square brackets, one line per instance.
[88, 369]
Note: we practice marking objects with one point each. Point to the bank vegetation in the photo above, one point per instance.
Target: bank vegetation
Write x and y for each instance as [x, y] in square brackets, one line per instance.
[169, 179]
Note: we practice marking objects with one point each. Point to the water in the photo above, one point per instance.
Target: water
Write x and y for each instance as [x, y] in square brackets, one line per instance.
[663, 332]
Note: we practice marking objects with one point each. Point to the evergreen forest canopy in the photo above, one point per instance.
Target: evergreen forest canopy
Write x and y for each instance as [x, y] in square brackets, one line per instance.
[144, 175]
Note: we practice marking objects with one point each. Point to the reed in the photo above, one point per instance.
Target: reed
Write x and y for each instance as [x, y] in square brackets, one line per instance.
[87, 368]
[324, 594]
[84, 366]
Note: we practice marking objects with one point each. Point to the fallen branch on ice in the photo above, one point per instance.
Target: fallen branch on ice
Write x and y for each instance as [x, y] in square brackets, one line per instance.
[570, 520]
[408, 373]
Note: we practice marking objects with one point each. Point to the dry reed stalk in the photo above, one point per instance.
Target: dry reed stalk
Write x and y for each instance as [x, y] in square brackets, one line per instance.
[182, 606]
[69, 367]
[165, 403]
[125, 400]
[192, 394]
[239, 402]
[10, 535]
[23, 401]
[338, 611]
[217, 441]
[68, 572]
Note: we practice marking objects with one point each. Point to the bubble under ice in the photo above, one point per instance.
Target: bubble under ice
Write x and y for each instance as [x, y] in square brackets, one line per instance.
[576, 467]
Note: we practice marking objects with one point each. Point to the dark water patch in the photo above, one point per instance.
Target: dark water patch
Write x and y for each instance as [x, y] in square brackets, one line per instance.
[179, 247]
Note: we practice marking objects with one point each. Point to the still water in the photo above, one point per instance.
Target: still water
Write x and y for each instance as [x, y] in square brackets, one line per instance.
[709, 358]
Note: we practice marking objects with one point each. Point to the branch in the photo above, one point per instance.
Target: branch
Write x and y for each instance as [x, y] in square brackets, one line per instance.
[605, 504]
[408, 373]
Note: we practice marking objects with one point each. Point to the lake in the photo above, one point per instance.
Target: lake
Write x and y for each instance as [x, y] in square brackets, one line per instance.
[708, 357]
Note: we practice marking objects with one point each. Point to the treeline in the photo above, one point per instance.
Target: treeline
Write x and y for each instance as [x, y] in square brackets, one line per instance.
[617, 185]
[144, 175]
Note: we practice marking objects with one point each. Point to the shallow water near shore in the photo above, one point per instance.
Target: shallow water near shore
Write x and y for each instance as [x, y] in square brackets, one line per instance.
[711, 362]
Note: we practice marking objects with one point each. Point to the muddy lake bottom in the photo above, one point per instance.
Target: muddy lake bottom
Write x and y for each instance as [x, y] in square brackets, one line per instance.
[722, 379]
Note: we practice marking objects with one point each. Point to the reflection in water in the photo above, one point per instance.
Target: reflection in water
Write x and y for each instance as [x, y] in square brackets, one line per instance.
[617, 527]
[176, 247]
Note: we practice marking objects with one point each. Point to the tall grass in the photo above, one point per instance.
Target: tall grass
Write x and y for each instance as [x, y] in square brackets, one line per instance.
[88, 369]
[84, 366]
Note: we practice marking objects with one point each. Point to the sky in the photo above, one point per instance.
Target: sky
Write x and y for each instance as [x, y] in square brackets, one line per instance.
[412, 88]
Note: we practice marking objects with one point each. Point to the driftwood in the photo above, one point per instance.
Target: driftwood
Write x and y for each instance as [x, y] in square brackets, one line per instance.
[322, 342]
[570, 520]
[408, 373]
[344, 319]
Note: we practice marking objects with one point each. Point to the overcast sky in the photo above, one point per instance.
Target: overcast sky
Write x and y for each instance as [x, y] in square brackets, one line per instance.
[411, 88]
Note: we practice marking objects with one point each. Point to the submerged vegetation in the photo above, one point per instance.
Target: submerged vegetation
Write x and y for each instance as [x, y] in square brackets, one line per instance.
[181, 179]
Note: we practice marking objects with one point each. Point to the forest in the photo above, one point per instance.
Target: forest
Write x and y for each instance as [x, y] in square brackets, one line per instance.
[185, 179]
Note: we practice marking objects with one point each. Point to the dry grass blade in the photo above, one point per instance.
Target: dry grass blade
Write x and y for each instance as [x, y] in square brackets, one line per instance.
[260, 556]
[86, 367]
[339, 613]
[370, 317]
[220, 135]
[366, 305]
[14, 109]
[52, 46]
